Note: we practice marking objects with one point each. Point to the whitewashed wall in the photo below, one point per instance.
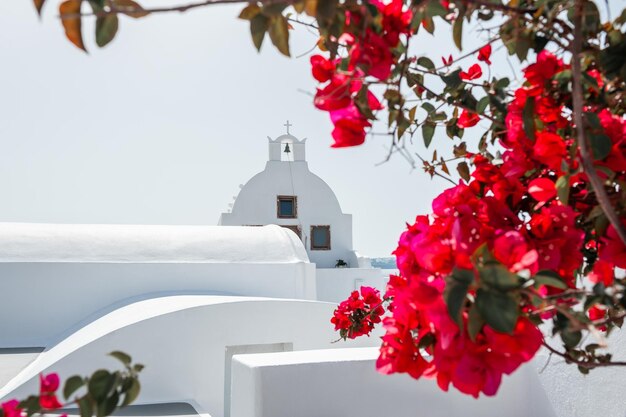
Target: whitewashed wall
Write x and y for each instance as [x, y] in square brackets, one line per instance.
[84, 291]
[344, 382]
[600, 393]
[57, 278]
[336, 284]
[182, 340]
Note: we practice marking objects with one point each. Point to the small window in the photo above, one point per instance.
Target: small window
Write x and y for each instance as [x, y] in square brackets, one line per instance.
[320, 237]
[287, 207]
[295, 229]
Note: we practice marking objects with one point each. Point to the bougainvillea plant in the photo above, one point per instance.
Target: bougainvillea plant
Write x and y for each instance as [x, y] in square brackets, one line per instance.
[533, 231]
[97, 395]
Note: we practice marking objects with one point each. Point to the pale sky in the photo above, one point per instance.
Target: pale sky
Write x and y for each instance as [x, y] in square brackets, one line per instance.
[162, 126]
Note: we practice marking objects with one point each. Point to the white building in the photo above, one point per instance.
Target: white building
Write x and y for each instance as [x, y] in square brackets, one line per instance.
[231, 321]
[286, 193]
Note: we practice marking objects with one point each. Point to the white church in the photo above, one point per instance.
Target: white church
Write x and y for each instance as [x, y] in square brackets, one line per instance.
[234, 320]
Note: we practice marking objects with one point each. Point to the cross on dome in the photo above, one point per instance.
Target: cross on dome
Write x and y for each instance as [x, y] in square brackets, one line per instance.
[288, 125]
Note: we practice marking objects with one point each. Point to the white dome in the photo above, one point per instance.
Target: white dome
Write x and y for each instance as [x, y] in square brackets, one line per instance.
[35, 242]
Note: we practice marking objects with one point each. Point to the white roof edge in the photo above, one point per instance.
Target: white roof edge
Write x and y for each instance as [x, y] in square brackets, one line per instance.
[42, 242]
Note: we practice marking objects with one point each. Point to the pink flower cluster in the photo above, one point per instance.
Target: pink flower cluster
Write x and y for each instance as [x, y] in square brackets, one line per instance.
[369, 54]
[48, 401]
[357, 315]
[511, 209]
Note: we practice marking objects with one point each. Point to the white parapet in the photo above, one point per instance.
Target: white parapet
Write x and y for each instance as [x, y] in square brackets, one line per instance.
[343, 382]
[187, 343]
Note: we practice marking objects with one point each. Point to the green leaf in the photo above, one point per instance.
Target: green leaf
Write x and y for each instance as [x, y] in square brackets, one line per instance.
[428, 107]
[482, 105]
[279, 34]
[132, 393]
[435, 8]
[86, 406]
[106, 28]
[130, 8]
[109, 405]
[562, 189]
[457, 32]
[452, 80]
[31, 405]
[549, 278]
[497, 276]
[600, 146]
[499, 310]
[502, 83]
[273, 9]
[325, 12]
[428, 131]
[122, 357]
[464, 276]
[429, 24]
[522, 46]
[426, 63]
[591, 18]
[571, 338]
[100, 384]
[249, 12]
[426, 341]
[529, 118]
[475, 322]
[258, 26]
[454, 296]
[71, 385]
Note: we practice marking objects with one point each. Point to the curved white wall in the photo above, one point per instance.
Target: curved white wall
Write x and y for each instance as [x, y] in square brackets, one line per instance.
[317, 205]
[182, 341]
[76, 293]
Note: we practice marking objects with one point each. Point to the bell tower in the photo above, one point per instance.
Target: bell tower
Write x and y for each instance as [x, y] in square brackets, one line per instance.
[287, 148]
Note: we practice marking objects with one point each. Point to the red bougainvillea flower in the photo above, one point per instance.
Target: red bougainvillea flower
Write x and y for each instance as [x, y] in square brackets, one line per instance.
[373, 56]
[467, 119]
[484, 54]
[322, 68]
[357, 315]
[47, 388]
[472, 73]
[396, 20]
[550, 150]
[603, 272]
[615, 128]
[399, 352]
[597, 313]
[11, 409]
[542, 189]
[614, 250]
[338, 93]
[541, 71]
[349, 128]
[513, 251]
[447, 61]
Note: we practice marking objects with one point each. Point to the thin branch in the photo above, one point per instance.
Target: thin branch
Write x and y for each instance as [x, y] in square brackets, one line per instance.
[582, 364]
[503, 7]
[585, 155]
[434, 172]
[467, 55]
[131, 10]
